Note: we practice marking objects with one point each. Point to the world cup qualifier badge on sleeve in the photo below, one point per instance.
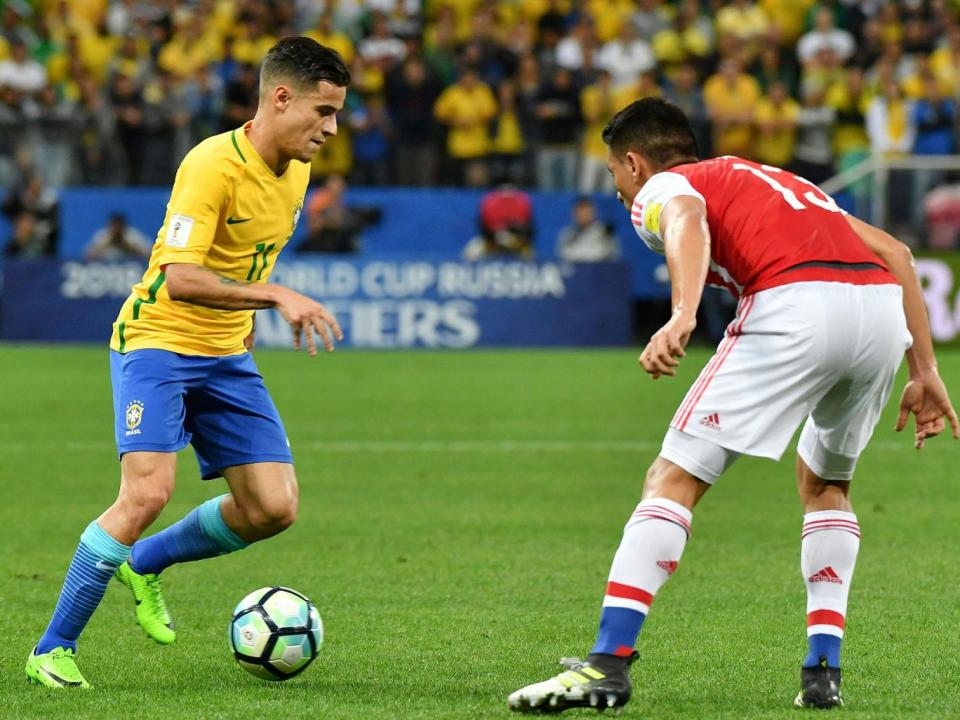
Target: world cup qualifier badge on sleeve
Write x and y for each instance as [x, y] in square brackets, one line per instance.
[134, 416]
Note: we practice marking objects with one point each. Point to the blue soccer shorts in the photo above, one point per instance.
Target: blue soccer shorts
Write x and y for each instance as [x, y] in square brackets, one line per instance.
[163, 401]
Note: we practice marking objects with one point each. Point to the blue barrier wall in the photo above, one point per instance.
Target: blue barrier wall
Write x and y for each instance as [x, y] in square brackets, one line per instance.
[396, 303]
[430, 222]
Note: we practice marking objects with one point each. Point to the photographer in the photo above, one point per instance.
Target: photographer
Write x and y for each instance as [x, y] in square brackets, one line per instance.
[588, 239]
[506, 226]
[332, 225]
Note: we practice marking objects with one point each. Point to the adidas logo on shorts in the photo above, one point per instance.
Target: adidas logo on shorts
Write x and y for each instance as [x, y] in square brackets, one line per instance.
[711, 421]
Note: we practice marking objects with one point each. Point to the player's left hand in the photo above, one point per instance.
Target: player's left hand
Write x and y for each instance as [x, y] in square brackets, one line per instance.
[249, 341]
[666, 347]
[925, 396]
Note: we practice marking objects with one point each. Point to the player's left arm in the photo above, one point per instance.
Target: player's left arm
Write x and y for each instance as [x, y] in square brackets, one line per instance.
[925, 396]
[686, 243]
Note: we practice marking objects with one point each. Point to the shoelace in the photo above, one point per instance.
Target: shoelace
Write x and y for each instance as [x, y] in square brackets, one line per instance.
[155, 597]
[66, 666]
[575, 672]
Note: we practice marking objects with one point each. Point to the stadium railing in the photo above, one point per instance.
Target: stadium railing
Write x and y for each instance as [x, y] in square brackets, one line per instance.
[873, 177]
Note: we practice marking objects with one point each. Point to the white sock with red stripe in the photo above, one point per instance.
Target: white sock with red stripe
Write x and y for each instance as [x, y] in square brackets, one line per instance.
[653, 541]
[828, 554]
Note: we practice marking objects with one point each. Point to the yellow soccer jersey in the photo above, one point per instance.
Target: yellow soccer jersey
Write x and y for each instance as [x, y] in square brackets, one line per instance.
[230, 213]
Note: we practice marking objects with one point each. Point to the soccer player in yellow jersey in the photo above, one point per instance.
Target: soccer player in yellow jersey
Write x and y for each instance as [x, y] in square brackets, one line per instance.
[180, 362]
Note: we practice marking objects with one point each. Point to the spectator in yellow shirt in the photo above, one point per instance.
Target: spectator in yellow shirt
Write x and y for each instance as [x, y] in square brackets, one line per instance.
[132, 61]
[441, 29]
[646, 86]
[598, 104]
[890, 23]
[776, 120]
[609, 16]
[252, 44]
[190, 50]
[690, 37]
[466, 108]
[824, 69]
[459, 12]
[83, 10]
[915, 82]
[330, 37]
[849, 99]
[945, 62]
[97, 49]
[731, 98]
[892, 132]
[368, 78]
[786, 18]
[889, 122]
[507, 145]
[63, 22]
[745, 21]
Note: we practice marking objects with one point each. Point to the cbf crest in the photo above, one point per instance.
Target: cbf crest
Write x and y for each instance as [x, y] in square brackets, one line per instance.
[134, 416]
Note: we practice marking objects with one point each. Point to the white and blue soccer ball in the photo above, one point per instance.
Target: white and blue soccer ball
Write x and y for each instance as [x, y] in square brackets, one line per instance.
[275, 633]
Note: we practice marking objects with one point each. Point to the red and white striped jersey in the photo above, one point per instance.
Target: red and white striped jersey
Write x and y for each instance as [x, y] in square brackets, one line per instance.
[768, 226]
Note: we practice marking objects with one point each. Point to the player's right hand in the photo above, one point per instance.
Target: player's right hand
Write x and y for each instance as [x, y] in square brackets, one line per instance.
[662, 354]
[304, 316]
[925, 396]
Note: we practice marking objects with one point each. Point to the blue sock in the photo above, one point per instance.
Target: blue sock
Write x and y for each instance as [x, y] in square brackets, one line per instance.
[97, 558]
[823, 645]
[619, 628]
[200, 534]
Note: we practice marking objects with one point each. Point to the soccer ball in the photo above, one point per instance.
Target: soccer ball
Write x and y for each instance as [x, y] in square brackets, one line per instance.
[275, 633]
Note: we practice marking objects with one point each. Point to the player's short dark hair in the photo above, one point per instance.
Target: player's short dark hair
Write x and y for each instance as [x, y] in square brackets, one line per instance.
[654, 128]
[303, 63]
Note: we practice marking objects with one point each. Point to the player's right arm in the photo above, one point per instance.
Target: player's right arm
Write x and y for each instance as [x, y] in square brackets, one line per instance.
[925, 395]
[670, 216]
[200, 195]
[201, 286]
[686, 242]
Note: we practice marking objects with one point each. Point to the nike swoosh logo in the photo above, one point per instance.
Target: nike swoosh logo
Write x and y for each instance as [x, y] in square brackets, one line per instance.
[59, 680]
[237, 221]
[101, 565]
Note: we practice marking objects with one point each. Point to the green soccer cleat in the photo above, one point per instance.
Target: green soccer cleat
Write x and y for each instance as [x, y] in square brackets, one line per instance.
[151, 609]
[55, 669]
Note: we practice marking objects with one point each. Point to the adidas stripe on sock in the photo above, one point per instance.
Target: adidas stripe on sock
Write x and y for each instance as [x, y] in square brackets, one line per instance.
[652, 543]
[829, 544]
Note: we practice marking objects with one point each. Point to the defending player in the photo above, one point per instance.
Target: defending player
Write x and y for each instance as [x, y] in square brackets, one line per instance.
[179, 364]
[826, 303]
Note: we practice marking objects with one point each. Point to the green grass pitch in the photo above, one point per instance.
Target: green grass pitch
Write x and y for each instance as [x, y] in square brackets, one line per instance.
[458, 516]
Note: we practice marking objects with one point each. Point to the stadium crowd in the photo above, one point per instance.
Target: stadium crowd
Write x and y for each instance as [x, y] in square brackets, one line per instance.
[474, 91]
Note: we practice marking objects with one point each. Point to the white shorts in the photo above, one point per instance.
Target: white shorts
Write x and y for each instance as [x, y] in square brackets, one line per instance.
[826, 352]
